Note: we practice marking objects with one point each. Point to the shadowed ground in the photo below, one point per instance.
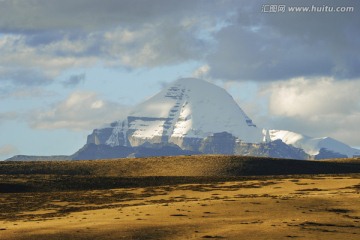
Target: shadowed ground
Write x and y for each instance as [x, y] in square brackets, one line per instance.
[201, 165]
[205, 197]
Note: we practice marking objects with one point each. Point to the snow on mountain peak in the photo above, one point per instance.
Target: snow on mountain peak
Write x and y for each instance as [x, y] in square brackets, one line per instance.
[312, 145]
[188, 107]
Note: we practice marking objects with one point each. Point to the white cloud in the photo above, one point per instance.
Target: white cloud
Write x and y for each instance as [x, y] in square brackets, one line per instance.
[24, 64]
[201, 72]
[79, 111]
[8, 150]
[310, 98]
[97, 104]
[316, 107]
[153, 45]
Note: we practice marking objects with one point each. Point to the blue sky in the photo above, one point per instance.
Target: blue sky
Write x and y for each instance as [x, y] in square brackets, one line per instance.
[67, 67]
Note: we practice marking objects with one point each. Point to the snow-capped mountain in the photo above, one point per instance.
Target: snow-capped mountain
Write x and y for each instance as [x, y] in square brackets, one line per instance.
[311, 145]
[187, 109]
[200, 117]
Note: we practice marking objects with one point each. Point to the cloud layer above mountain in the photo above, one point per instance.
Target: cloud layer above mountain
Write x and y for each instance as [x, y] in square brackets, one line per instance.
[235, 38]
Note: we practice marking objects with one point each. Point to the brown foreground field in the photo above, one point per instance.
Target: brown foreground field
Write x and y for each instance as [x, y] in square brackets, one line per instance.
[207, 197]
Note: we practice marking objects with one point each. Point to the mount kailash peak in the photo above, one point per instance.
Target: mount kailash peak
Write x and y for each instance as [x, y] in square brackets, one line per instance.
[196, 116]
[193, 116]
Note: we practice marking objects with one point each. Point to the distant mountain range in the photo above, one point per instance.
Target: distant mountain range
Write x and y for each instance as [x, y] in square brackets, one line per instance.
[192, 116]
